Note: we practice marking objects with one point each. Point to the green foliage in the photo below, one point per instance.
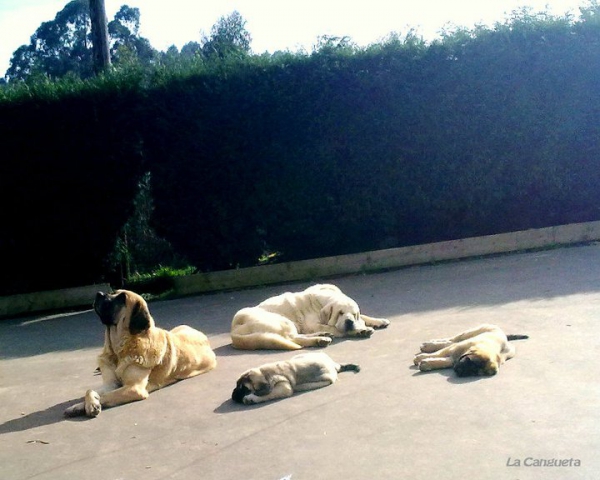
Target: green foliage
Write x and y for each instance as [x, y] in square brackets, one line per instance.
[341, 150]
[63, 48]
[228, 37]
[158, 282]
[138, 249]
[57, 47]
[127, 45]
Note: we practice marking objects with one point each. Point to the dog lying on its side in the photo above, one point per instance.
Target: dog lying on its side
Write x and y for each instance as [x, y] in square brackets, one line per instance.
[310, 318]
[303, 372]
[479, 351]
[139, 357]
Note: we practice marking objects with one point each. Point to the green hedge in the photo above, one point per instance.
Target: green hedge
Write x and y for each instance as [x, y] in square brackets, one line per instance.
[69, 171]
[340, 151]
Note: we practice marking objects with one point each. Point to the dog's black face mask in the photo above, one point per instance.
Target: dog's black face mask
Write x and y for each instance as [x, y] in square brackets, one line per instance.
[107, 306]
[239, 392]
[468, 366]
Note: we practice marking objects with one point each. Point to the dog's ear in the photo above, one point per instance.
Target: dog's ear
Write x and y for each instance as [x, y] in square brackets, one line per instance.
[328, 314]
[120, 300]
[261, 384]
[140, 318]
[262, 387]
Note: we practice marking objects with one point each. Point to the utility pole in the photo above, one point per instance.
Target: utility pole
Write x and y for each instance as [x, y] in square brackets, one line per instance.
[101, 53]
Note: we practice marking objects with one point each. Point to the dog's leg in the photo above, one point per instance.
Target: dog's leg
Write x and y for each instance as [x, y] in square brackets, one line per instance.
[375, 322]
[312, 385]
[109, 383]
[434, 363]
[312, 340]
[472, 332]
[280, 390]
[360, 333]
[435, 345]
[135, 387]
[440, 359]
[333, 332]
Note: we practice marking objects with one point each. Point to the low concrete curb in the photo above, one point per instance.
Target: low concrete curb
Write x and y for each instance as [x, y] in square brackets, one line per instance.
[50, 300]
[321, 267]
[387, 259]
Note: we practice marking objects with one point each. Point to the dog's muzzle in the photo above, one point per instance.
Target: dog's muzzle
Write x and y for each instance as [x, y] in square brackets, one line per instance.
[105, 309]
[239, 393]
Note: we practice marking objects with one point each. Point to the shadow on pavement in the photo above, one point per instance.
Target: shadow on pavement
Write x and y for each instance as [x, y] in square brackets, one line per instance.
[49, 416]
[464, 285]
[451, 377]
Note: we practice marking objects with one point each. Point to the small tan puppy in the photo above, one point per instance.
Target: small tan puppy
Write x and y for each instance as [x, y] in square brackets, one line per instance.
[479, 351]
[310, 318]
[303, 372]
[139, 357]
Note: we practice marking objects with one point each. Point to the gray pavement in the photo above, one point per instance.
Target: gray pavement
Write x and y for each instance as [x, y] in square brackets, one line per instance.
[387, 422]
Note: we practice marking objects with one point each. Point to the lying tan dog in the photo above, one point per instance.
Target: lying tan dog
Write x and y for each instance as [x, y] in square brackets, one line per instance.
[303, 372]
[479, 351]
[139, 357]
[310, 318]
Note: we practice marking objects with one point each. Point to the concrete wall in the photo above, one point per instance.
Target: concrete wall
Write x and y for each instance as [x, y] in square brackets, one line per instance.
[321, 267]
[51, 300]
[389, 258]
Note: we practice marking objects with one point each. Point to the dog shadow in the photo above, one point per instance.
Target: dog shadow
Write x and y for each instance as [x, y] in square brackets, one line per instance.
[41, 418]
[451, 377]
[229, 351]
[229, 406]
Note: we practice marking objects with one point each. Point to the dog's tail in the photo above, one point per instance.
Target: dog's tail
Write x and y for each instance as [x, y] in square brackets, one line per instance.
[517, 337]
[349, 367]
[258, 341]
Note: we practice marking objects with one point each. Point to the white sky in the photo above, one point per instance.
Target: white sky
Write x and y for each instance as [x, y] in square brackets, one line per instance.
[276, 24]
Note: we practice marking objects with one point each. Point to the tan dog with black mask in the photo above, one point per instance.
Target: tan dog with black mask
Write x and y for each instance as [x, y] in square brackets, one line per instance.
[479, 351]
[307, 371]
[139, 357]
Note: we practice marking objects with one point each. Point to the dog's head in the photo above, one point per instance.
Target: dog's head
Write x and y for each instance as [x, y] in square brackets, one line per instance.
[477, 362]
[125, 308]
[252, 381]
[344, 315]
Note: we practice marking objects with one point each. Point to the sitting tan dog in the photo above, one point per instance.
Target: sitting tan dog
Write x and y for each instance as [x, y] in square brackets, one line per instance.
[479, 351]
[310, 318]
[139, 357]
[303, 372]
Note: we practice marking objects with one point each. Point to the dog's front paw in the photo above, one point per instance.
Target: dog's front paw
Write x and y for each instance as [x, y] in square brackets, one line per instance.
[434, 345]
[384, 324]
[326, 334]
[324, 341]
[366, 333]
[92, 404]
[428, 347]
[425, 366]
[250, 399]
[418, 359]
